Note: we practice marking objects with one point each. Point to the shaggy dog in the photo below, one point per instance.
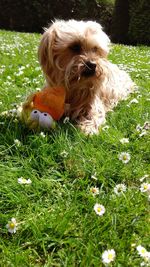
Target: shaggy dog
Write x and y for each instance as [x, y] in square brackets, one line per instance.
[74, 54]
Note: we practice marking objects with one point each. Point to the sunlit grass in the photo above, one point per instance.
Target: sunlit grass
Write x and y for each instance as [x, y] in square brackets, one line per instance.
[56, 224]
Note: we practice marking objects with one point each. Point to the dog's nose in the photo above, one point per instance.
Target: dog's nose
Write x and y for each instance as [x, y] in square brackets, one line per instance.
[90, 68]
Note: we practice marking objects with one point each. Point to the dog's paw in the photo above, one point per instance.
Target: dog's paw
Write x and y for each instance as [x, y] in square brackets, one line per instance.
[90, 127]
[88, 130]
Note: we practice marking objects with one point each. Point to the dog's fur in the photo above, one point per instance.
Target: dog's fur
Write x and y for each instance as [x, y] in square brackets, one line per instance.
[74, 54]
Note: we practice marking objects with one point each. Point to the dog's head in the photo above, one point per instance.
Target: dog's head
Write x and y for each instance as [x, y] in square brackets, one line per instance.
[70, 51]
[73, 54]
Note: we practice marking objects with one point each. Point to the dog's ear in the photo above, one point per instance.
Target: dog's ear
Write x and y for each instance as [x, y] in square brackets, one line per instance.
[100, 38]
[45, 50]
[104, 42]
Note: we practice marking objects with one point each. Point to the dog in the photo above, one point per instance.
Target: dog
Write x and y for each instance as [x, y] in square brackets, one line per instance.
[74, 54]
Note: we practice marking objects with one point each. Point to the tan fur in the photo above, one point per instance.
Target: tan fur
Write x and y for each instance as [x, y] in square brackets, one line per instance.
[88, 98]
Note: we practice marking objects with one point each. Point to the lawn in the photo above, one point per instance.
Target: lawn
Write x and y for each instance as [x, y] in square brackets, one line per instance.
[50, 182]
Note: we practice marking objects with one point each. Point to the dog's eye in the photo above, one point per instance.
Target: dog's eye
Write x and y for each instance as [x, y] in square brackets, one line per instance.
[94, 49]
[76, 47]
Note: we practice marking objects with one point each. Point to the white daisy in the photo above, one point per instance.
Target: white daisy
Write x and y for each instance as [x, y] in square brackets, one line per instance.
[139, 96]
[12, 226]
[17, 142]
[108, 256]
[5, 113]
[134, 101]
[94, 191]
[145, 187]
[22, 180]
[146, 125]
[142, 251]
[124, 157]
[99, 209]
[42, 134]
[124, 140]
[18, 96]
[144, 132]
[64, 154]
[38, 89]
[142, 263]
[119, 189]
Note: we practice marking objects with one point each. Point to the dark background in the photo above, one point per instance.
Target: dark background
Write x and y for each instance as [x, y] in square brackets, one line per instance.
[125, 21]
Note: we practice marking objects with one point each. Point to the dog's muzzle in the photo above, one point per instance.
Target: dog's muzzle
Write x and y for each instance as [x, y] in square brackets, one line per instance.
[89, 69]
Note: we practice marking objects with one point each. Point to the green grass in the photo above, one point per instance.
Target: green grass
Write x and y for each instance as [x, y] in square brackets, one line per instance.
[57, 224]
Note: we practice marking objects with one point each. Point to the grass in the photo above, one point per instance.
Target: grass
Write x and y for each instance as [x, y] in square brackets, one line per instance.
[57, 224]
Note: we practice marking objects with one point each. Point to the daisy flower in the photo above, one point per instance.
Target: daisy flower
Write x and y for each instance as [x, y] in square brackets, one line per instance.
[119, 189]
[17, 142]
[146, 125]
[108, 256]
[124, 140]
[42, 134]
[12, 226]
[18, 96]
[134, 101]
[94, 191]
[144, 132]
[139, 96]
[22, 180]
[145, 187]
[124, 157]
[142, 263]
[5, 113]
[142, 251]
[99, 209]
[64, 154]
[12, 112]
[38, 89]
